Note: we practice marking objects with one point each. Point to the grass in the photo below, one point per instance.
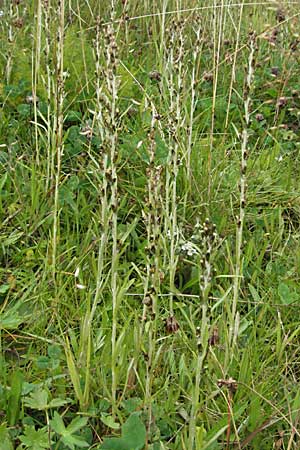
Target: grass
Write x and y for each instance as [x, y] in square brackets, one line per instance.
[150, 222]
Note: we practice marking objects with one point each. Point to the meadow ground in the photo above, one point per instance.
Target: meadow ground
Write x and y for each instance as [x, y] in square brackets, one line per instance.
[150, 225]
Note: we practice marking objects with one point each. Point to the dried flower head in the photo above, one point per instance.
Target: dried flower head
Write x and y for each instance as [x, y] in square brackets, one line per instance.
[280, 15]
[214, 337]
[275, 71]
[230, 383]
[87, 131]
[18, 23]
[208, 76]
[259, 117]
[172, 326]
[155, 75]
[31, 98]
[282, 101]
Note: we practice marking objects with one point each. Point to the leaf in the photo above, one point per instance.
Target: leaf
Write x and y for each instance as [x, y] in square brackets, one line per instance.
[109, 421]
[57, 402]
[67, 433]
[37, 400]
[3, 180]
[132, 404]
[10, 320]
[76, 424]
[5, 441]
[71, 440]
[35, 439]
[15, 398]
[12, 238]
[54, 351]
[58, 424]
[285, 294]
[73, 372]
[133, 436]
[4, 288]
[24, 110]
[43, 362]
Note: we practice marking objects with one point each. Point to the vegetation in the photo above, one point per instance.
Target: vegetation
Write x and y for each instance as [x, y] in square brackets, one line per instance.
[150, 225]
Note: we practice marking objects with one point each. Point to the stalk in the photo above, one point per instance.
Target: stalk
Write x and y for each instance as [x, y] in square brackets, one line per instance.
[195, 56]
[217, 33]
[232, 79]
[113, 90]
[152, 219]
[175, 86]
[233, 331]
[48, 82]
[60, 95]
[208, 245]
[35, 78]
[106, 125]
[10, 40]
[100, 127]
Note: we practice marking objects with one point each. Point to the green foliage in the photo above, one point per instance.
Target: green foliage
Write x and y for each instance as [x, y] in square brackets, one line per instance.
[116, 292]
[132, 438]
[5, 440]
[35, 439]
[39, 399]
[68, 434]
[14, 398]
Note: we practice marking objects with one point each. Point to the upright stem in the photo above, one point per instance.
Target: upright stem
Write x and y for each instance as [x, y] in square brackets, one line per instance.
[36, 74]
[243, 188]
[151, 216]
[112, 84]
[59, 127]
[50, 153]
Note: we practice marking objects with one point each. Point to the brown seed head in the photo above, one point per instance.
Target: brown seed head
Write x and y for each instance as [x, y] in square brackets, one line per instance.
[172, 326]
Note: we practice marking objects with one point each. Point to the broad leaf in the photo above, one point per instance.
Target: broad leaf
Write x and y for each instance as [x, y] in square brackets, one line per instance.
[37, 400]
[68, 437]
[5, 441]
[35, 439]
[133, 436]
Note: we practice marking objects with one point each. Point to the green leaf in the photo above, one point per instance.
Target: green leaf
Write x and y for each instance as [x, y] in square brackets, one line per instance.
[57, 402]
[133, 436]
[24, 110]
[5, 441]
[109, 421]
[71, 440]
[130, 405]
[10, 321]
[285, 294]
[37, 400]
[58, 424]
[4, 288]
[3, 180]
[67, 433]
[14, 399]
[43, 362]
[11, 318]
[54, 351]
[76, 424]
[35, 439]
[12, 238]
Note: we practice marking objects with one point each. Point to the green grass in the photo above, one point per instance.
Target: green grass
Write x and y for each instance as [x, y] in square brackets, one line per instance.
[150, 225]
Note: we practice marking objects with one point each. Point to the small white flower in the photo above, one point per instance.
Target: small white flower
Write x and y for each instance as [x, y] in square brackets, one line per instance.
[80, 286]
[188, 248]
[77, 272]
[279, 158]
[1, 13]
